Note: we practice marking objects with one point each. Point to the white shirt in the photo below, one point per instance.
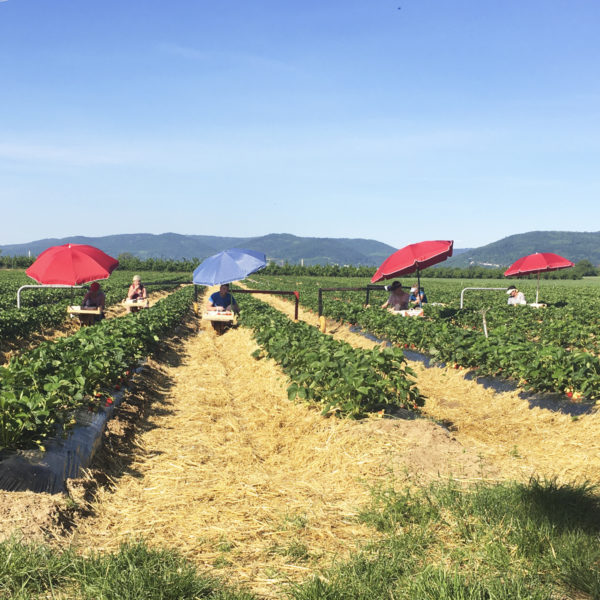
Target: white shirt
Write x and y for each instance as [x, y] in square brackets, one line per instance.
[518, 298]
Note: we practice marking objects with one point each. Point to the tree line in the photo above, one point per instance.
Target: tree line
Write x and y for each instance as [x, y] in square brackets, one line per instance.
[583, 268]
[129, 262]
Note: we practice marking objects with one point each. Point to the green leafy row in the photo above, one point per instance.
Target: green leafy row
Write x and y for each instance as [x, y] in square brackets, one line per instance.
[342, 379]
[18, 323]
[549, 350]
[572, 326]
[570, 319]
[538, 367]
[40, 388]
[46, 308]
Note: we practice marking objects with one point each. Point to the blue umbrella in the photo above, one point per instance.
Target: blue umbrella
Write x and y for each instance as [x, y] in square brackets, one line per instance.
[229, 265]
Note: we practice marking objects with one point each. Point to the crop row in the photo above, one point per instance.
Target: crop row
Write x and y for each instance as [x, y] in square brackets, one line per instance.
[115, 288]
[341, 379]
[577, 295]
[512, 349]
[17, 323]
[40, 388]
[47, 308]
[536, 367]
[570, 320]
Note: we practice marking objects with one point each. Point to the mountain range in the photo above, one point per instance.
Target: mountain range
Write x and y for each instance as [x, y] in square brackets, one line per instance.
[281, 247]
[278, 247]
[573, 245]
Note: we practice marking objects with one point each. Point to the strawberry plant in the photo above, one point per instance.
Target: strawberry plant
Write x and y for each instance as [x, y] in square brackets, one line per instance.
[40, 388]
[341, 379]
[548, 350]
[46, 308]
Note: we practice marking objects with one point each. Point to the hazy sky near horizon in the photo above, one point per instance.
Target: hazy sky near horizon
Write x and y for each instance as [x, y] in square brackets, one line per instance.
[397, 121]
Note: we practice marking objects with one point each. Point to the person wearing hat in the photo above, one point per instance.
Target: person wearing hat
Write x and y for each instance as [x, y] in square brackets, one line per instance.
[95, 298]
[398, 299]
[417, 299]
[515, 296]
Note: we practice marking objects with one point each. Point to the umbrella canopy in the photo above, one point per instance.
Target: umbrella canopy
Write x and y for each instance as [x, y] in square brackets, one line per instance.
[539, 262]
[71, 264]
[413, 257]
[229, 265]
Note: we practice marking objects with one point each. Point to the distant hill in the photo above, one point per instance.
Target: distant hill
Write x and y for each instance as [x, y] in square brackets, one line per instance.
[573, 245]
[277, 246]
[281, 247]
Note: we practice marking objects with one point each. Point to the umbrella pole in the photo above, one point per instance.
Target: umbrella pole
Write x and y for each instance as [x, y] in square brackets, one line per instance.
[419, 287]
[537, 290]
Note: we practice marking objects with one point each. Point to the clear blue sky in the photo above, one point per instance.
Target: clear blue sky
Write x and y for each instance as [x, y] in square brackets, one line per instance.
[398, 121]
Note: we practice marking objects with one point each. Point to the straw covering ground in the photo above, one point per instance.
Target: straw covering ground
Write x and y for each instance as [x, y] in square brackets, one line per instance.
[236, 476]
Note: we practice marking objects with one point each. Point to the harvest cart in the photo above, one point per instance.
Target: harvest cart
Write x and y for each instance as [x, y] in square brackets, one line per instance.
[135, 305]
[218, 315]
[410, 312]
[87, 316]
[220, 319]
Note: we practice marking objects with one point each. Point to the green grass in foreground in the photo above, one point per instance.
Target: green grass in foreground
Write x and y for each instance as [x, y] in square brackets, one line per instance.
[535, 541]
[532, 541]
[134, 573]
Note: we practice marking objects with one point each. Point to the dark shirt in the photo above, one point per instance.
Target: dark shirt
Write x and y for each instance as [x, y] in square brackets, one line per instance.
[138, 291]
[92, 300]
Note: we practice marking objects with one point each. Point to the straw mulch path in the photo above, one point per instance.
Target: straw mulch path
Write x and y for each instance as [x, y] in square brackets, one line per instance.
[242, 480]
[519, 439]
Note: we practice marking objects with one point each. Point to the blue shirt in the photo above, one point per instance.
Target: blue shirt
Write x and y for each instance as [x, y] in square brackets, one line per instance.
[413, 297]
[218, 300]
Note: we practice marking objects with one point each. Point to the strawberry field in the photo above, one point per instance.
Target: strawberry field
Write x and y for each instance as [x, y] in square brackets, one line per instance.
[553, 349]
[42, 386]
[46, 308]
[231, 462]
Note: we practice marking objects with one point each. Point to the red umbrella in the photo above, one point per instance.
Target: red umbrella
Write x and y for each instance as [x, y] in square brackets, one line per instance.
[540, 262]
[413, 257]
[71, 264]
